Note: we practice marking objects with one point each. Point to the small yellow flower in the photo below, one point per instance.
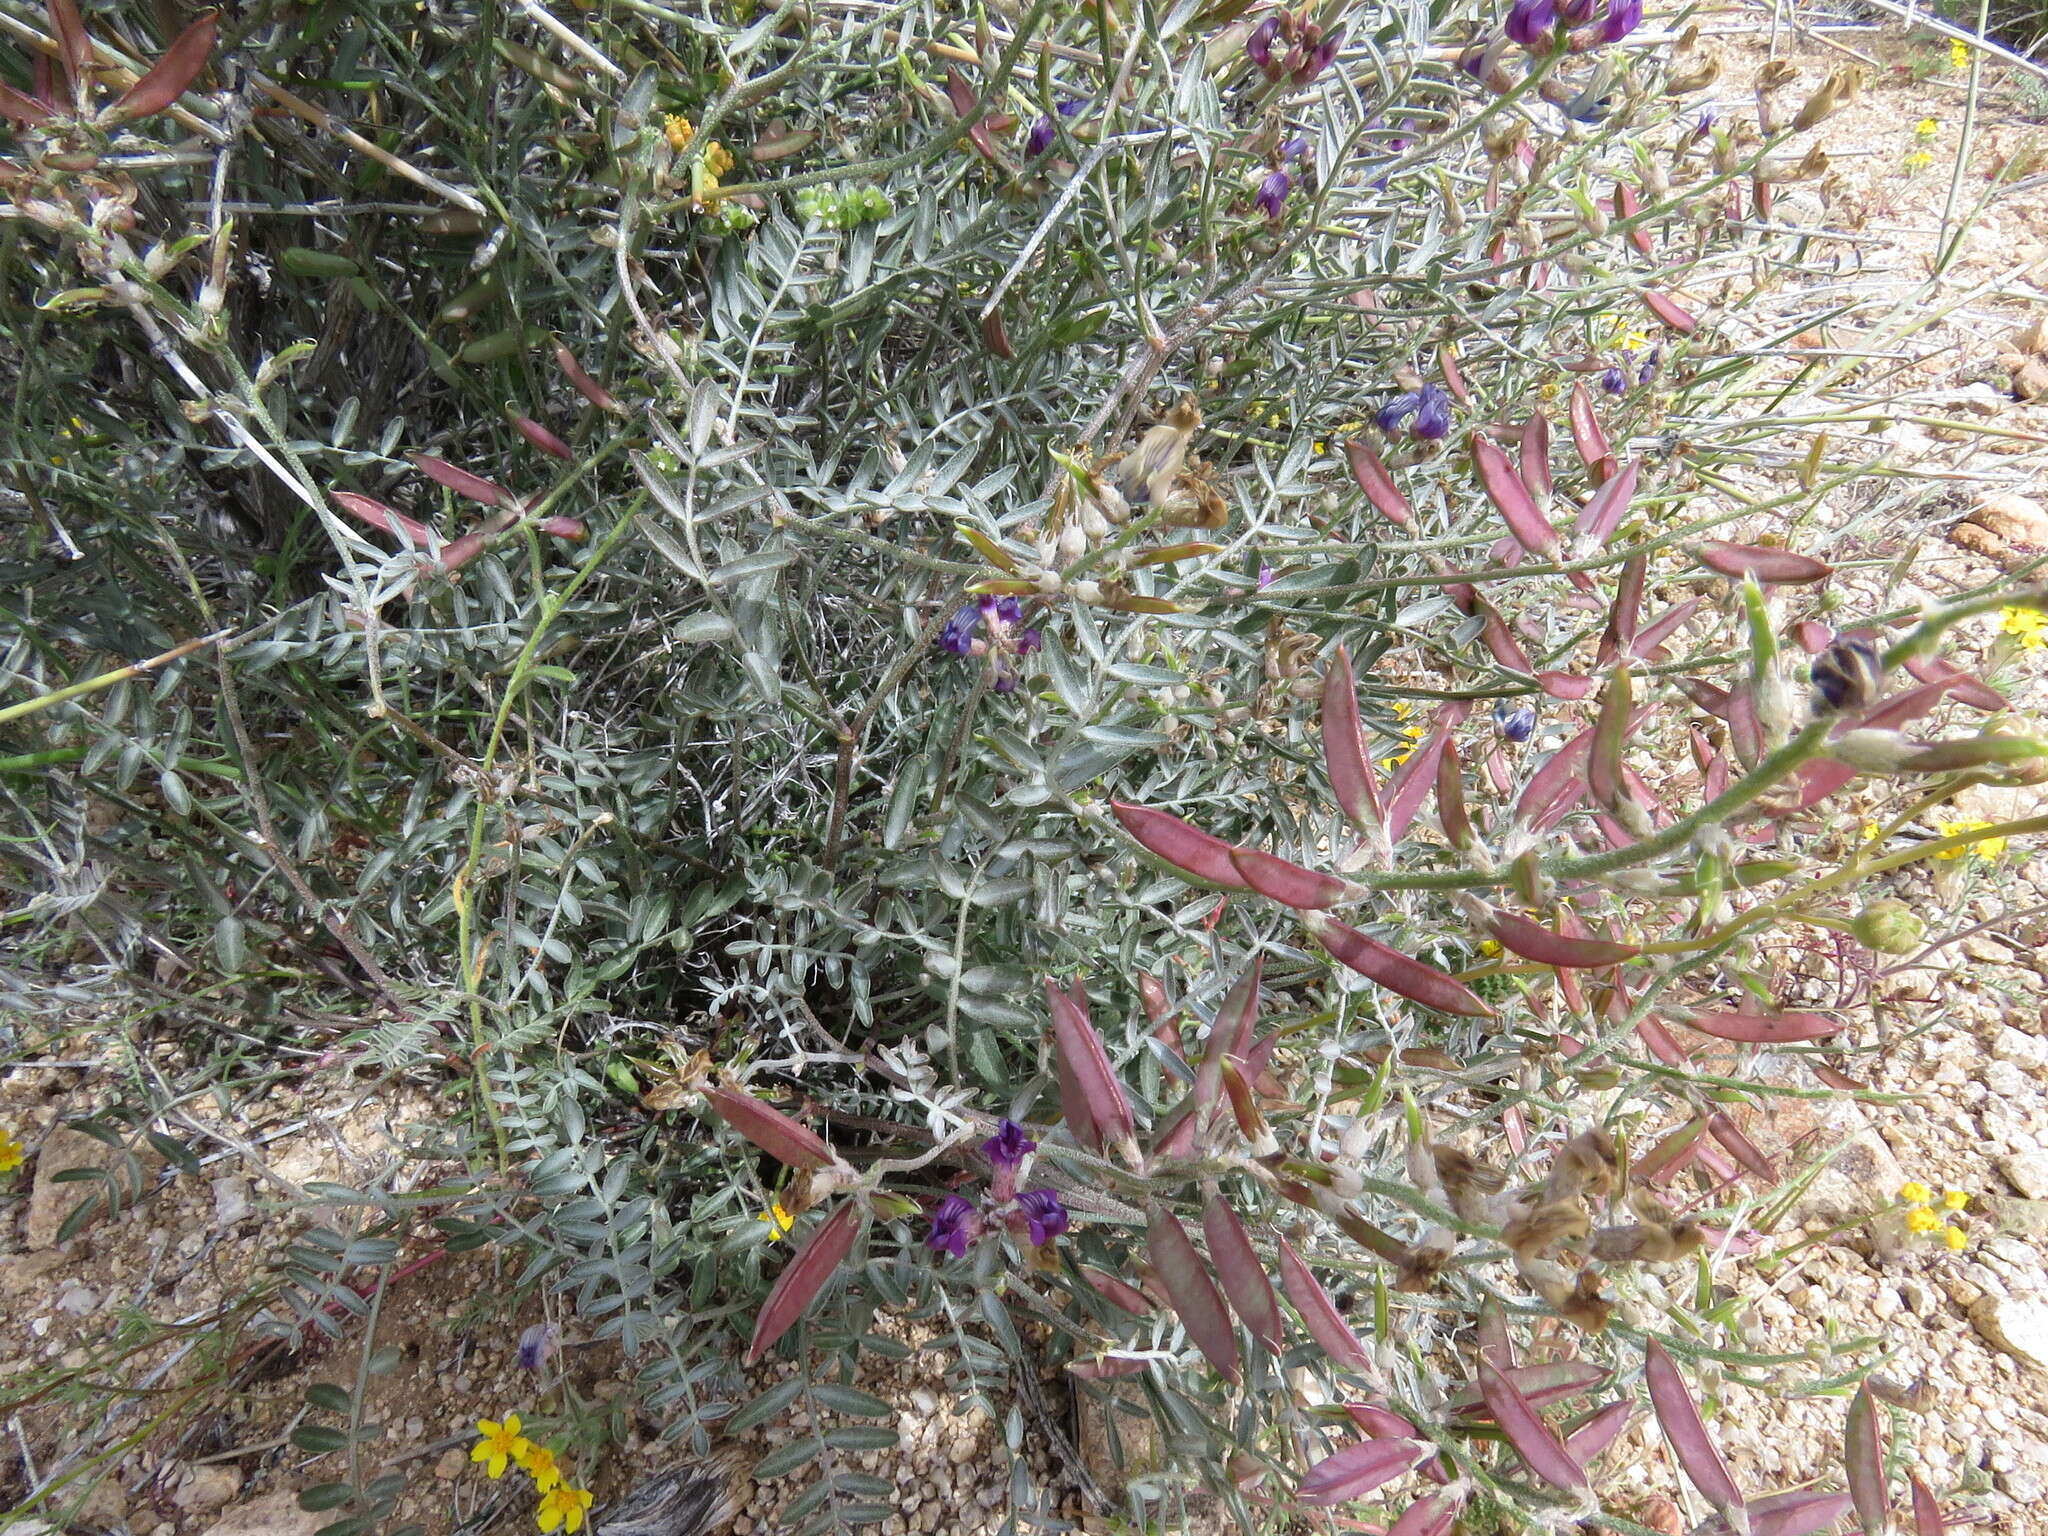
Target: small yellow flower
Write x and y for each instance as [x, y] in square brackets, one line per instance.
[717, 158]
[779, 1221]
[10, 1152]
[564, 1507]
[502, 1445]
[1919, 160]
[1954, 1200]
[1958, 54]
[540, 1465]
[679, 131]
[1870, 831]
[1926, 128]
[2029, 626]
[1956, 1238]
[1920, 1219]
[1983, 848]
[1489, 947]
[1915, 1193]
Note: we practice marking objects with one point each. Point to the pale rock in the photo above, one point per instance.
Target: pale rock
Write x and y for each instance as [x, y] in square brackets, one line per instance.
[2027, 1172]
[207, 1488]
[2006, 1080]
[1863, 1176]
[2020, 1048]
[75, 1298]
[231, 1203]
[451, 1463]
[2017, 1326]
[274, 1514]
[103, 1508]
[2013, 518]
[25, 1276]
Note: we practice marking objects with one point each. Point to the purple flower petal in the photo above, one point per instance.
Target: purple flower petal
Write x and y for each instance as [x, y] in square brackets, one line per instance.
[535, 1345]
[955, 1224]
[958, 635]
[1614, 381]
[1516, 720]
[1273, 193]
[1623, 17]
[1259, 46]
[1039, 139]
[1043, 1214]
[1397, 410]
[1531, 22]
[1432, 414]
[1008, 1147]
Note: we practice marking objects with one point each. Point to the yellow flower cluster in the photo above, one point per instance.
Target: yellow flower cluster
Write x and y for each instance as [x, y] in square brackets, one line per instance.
[1926, 128]
[779, 1221]
[2029, 626]
[1983, 848]
[1413, 734]
[710, 166]
[499, 1445]
[1958, 54]
[10, 1152]
[1919, 160]
[1923, 1219]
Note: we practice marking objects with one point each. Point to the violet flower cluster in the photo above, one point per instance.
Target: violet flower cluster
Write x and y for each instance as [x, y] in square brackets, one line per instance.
[1280, 181]
[1426, 412]
[1037, 1214]
[1040, 138]
[992, 626]
[1287, 47]
[1588, 24]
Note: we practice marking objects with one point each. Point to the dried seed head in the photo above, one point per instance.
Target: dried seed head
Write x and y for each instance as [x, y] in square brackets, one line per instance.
[1586, 1166]
[1535, 1233]
[1776, 75]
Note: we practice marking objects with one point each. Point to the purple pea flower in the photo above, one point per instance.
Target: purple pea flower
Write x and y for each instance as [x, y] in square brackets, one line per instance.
[1390, 416]
[1006, 1151]
[535, 1345]
[1072, 105]
[1650, 365]
[1259, 46]
[1039, 139]
[1294, 148]
[1704, 126]
[1577, 12]
[1043, 1215]
[1320, 57]
[955, 1224]
[1623, 17]
[1530, 22]
[958, 635]
[1273, 193]
[1432, 414]
[1515, 719]
[1614, 381]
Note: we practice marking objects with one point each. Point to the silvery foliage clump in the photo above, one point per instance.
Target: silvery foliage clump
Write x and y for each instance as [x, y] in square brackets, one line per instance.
[1043, 591]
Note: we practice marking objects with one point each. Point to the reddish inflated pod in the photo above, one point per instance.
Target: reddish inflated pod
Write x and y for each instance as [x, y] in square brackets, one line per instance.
[1186, 848]
[540, 437]
[1771, 566]
[582, 382]
[168, 78]
[1588, 438]
[460, 480]
[804, 1277]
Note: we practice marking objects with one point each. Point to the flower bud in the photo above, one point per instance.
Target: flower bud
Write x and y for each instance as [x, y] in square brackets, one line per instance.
[1846, 677]
[1889, 927]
